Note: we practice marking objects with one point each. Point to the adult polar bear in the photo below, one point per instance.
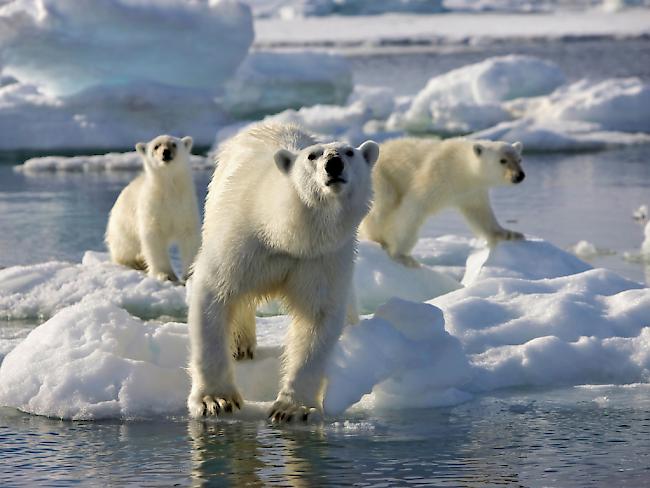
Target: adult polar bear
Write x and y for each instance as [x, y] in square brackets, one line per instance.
[416, 178]
[156, 209]
[281, 218]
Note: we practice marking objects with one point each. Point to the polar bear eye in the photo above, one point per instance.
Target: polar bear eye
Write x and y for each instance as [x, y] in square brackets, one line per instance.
[503, 161]
[312, 156]
[349, 153]
[173, 145]
[156, 147]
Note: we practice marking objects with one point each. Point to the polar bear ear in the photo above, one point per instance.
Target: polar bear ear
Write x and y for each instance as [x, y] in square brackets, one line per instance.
[187, 142]
[478, 149]
[141, 147]
[370, 151]
[284, 160]
[518, 146]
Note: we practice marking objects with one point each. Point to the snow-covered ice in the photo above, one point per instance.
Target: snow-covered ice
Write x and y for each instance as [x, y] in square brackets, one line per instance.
[469, 98]
[105, 116]
[40, 290]
[65, 46]
[268, 82]
[130, 161]
[532, 315]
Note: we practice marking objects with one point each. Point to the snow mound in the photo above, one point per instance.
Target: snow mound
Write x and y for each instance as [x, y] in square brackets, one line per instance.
[40, 290]
[268, 82]
[532, 259]
[469, 98]
[403, 355]
[377, 278]
[548, 135]
[65, 46]
[105, 116]
[94, 360]
[611, 105]
[129, 161]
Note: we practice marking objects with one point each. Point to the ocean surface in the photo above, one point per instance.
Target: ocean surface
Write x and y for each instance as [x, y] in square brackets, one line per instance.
[584, 436]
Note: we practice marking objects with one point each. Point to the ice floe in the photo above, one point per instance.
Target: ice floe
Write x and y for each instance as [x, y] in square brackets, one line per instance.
[129, 161]
[469, 98]
[532, 315]
[268, 82]
[40, 290]
[66, 46]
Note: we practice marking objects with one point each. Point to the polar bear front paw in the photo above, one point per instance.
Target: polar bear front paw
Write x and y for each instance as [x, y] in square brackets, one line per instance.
[201, 405]
[287, 411]
[242, 353]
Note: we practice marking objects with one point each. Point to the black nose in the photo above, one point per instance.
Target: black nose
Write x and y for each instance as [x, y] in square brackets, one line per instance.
[334, 167]
[167, 155]
[519, 177]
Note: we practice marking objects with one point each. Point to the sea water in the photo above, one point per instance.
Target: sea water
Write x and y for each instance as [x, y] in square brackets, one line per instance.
[579, 436]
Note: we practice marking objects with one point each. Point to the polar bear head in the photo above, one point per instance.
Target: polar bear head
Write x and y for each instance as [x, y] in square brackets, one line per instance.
[165, 152]
[500, 162]
[334, 172]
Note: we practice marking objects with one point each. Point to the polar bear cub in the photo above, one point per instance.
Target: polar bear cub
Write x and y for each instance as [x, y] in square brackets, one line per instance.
[281, 219]
[157, 209]
[416, 178]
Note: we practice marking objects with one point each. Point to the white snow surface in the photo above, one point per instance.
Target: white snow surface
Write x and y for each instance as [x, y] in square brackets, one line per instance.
[532, 315]
[452, 27]
[469, 98]
[268, 82]
[129, 161]
[105, 116]
[41, 290]
[65, 46]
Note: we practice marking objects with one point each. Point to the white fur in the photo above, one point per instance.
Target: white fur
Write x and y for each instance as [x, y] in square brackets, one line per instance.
[415, 178]
[155, 210]
[273, 227]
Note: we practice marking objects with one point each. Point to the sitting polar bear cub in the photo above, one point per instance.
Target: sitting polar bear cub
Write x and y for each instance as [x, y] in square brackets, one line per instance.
[281, 218]
[155, 210]
[416, 178]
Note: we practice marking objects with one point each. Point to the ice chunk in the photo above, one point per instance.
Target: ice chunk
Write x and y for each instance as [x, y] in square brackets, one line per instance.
[40, 290]
[131, 161]
[469, 98]
[65, 46]
[403, 356]
[95, 360]
[105, 116]
[532, 259]
[552, 135]
[377, 278]
[269, 82]
[616, 104]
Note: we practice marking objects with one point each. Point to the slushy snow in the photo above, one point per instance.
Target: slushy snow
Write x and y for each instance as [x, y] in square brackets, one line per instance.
[532, 315]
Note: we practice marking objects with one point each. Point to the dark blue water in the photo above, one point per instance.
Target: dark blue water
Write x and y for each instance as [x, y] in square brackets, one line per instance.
[564, 438]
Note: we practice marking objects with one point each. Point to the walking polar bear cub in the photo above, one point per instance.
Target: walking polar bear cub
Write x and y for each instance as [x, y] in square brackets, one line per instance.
[281, 218]
[416, 178]
[157, 209]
